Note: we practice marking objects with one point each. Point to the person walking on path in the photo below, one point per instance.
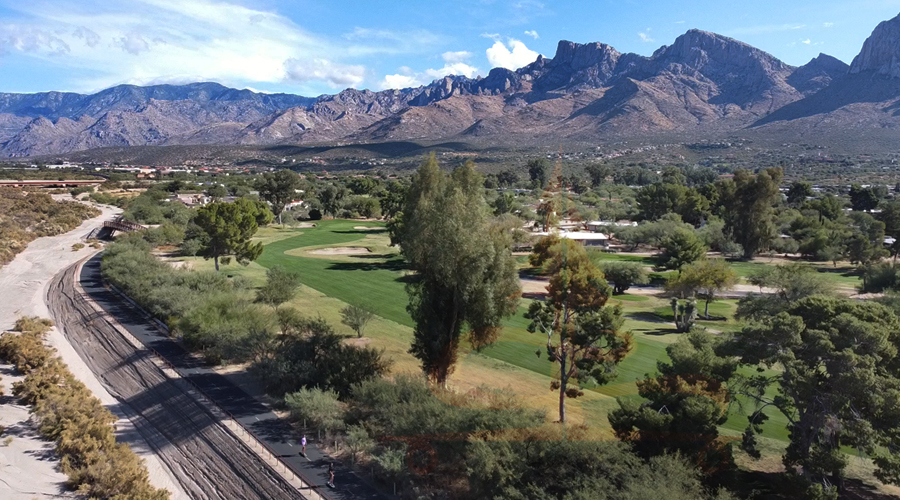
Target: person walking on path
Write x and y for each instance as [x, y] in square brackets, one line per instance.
[331, 474]
[303, 445]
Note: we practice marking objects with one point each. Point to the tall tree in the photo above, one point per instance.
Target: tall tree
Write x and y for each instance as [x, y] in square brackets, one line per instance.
[837, 383]
[680, 248]
[279, 189]
[332, 198]
[583, 336]
[798, 193]
[748, 201]
[863, 199]
[539, 171]
[466, 276]
[228, 228]
[598, 173]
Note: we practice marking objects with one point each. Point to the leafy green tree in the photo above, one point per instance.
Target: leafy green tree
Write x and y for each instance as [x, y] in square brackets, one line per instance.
[830, 207]
[657, 200]
[539, 172]
[624, 274]
[798, 193]
[280, 287]
[279, 189]
[598, 173]
[707, 278]
[319, 408]
[310, 354]
[217, 192]
[863, 199]
[837, 383]
[466, 278]
[583, 336]
[537, 464]
[890, 215]
[229, 227]
[748, 202]
[356, 317]
[332, 198]
[673, 175]
[685, 404]
[508, 178]
[680, 248]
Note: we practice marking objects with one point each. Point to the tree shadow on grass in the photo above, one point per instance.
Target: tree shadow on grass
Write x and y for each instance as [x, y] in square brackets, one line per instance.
[395, 265]
[362, 231]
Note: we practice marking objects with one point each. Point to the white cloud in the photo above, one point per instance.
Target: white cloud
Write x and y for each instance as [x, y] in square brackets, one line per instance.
[454, 64]
[827, 25]
[807, 41]
[133, 43]
[492, 36]
[90, 38]
[512, 55]
[680, 22]
[533, 34]
[455, 57]
[645, 37]
[32, 40]
[183, 40]
[335, 75]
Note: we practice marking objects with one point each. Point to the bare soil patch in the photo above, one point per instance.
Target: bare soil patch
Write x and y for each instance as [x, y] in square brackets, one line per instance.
[341, 251]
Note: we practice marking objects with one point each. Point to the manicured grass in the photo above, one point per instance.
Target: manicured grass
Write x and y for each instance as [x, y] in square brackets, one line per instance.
[377, 280]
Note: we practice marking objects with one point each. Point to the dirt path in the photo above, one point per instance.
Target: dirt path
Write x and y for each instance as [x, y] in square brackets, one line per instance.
[210, 462]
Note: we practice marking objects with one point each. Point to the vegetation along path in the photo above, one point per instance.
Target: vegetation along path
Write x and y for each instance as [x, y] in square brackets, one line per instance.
[251, 413]
[208, 460]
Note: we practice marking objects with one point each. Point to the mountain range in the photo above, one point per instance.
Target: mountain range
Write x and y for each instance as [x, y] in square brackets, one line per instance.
[702, 85]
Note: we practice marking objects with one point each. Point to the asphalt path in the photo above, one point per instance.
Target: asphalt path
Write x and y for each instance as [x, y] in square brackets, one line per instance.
[255, 416]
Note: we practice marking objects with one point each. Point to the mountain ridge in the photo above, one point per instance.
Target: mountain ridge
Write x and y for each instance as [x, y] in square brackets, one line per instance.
[702, 84]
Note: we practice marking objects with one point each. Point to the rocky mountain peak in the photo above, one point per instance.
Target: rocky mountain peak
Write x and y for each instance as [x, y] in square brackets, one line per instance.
[817, 74]
[881, 51]
[699, 49]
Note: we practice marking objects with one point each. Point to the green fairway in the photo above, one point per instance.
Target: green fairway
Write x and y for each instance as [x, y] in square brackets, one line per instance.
[375, 278]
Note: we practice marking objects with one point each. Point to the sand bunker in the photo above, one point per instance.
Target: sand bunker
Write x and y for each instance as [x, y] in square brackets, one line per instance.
[306, 225]
[341, 251]
[364, 228]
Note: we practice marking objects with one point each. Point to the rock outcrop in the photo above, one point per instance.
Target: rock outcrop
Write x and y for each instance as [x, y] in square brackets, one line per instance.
[881, 51]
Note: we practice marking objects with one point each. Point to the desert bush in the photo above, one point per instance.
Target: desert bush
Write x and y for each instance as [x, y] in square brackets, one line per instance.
[67, 412]
[25, 216]
[77, 246]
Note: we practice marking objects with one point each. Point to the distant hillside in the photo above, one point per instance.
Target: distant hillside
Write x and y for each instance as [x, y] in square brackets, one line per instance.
[702, 85]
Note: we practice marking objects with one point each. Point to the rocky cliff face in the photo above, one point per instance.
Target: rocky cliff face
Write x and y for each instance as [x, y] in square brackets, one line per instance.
[881, 51]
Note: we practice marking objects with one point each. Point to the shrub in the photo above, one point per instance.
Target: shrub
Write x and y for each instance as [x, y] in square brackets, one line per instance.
[66, 412]
[77, 246]
[310, 354]
[319, 408]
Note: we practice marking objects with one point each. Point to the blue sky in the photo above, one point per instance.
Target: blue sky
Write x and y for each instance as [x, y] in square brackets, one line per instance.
[313, 47]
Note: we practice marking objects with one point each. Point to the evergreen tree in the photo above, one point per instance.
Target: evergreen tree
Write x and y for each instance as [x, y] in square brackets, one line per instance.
[466, 276]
